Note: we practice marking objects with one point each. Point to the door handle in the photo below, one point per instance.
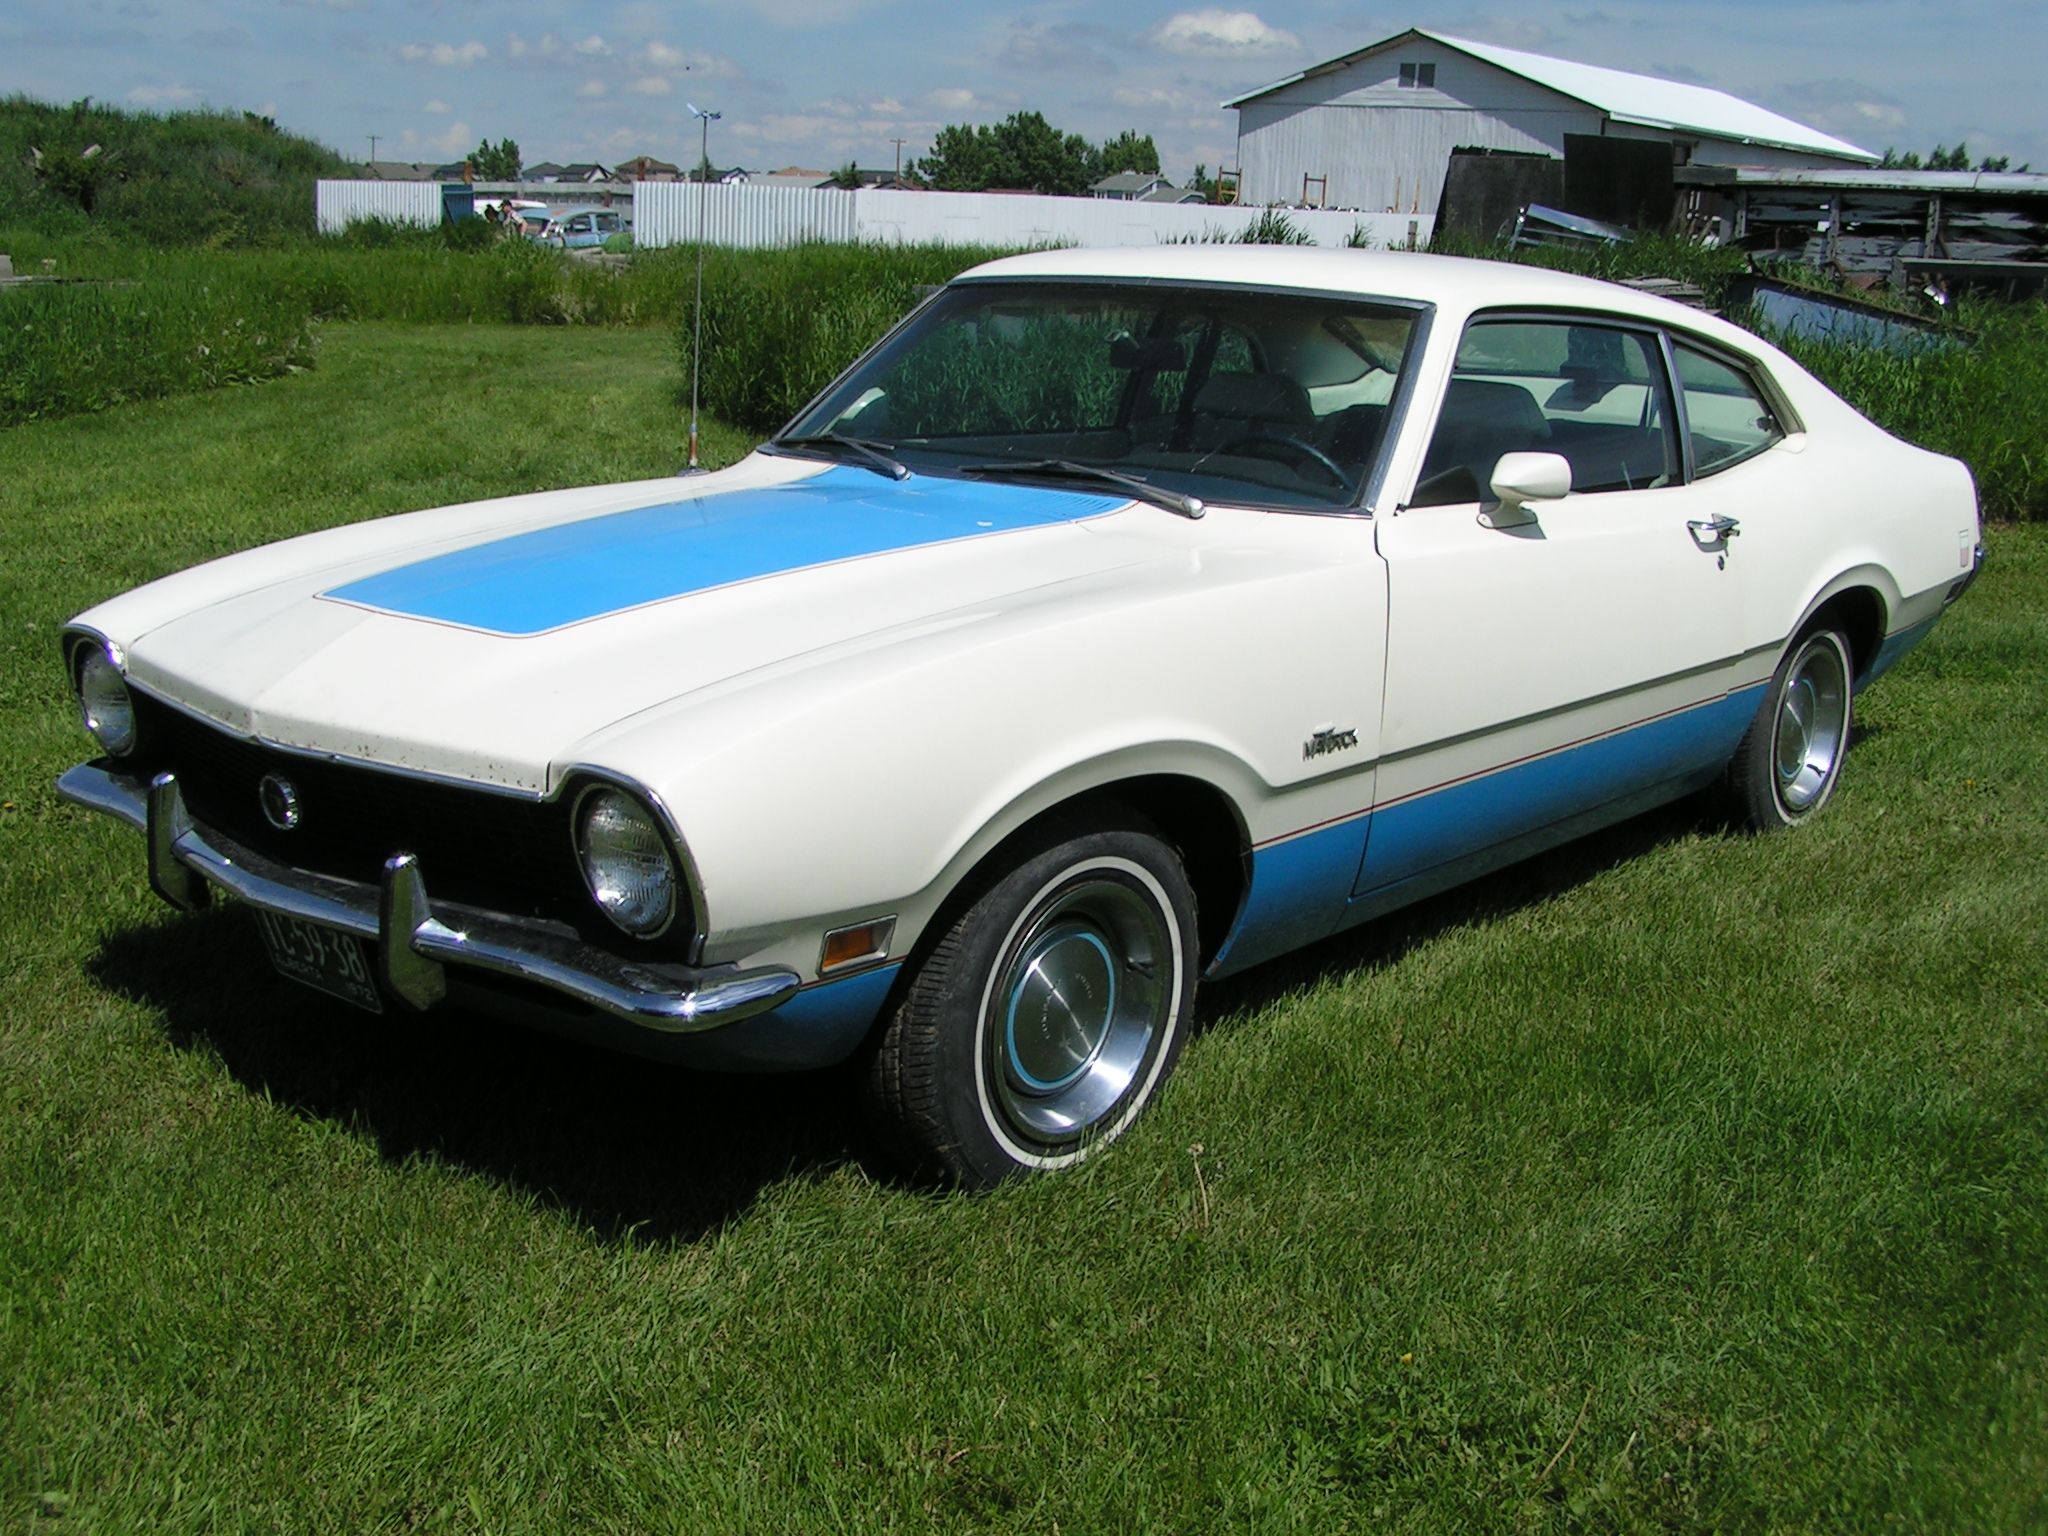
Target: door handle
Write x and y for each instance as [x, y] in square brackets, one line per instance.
[1713, 530]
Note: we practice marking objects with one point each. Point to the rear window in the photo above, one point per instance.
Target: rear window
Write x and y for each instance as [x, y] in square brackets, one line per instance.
[1726, 414]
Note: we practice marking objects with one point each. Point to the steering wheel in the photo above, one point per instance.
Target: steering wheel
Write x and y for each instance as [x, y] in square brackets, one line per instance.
[1308, 451]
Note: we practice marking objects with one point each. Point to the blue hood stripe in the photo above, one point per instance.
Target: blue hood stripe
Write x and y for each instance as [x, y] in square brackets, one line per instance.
[533, 582]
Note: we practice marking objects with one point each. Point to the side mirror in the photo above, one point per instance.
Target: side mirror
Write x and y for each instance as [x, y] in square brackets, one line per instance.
[1520, 478]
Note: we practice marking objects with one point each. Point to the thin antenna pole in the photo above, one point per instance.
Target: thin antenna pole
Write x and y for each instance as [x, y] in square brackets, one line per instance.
[697, 340]
[373, 147]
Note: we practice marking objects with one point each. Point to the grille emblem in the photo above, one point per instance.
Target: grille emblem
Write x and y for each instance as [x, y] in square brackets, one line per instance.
[280, 801]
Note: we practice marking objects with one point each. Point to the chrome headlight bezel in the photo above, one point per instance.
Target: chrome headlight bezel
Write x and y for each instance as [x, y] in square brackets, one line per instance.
[106, 706]
[656, 839]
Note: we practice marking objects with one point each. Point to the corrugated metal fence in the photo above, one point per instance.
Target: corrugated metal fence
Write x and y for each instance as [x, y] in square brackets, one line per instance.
[666, 214]
[338, 204]
[750, 217]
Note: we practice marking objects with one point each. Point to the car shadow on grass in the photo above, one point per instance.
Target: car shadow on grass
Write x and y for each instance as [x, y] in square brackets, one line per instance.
[631, 1149]
[637, 1150]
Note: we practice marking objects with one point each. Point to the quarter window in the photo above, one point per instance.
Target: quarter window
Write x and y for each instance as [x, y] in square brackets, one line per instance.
[1418, 77]
[1726, 415]
[1594, 393]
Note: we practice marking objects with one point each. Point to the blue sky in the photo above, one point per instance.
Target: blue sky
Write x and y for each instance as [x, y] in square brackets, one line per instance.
[819, 82]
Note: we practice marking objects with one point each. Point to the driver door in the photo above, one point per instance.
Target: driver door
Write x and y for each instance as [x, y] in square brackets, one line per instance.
[1564, 658]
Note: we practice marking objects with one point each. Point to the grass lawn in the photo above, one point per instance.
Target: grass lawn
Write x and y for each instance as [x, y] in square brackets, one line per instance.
[1677, 1181]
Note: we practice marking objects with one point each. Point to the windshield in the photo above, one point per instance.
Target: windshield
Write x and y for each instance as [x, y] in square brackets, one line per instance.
[1223, 394]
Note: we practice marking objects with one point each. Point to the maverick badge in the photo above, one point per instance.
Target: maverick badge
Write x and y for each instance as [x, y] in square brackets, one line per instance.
[1329, 739]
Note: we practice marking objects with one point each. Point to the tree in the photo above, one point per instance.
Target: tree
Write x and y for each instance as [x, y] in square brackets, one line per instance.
[847, 177]
[1023, 151]
[1942, 159]
[1201, 181]
[1128, 151]
[495, 162]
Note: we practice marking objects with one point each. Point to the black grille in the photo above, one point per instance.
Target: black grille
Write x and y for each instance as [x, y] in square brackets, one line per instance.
[501, 852]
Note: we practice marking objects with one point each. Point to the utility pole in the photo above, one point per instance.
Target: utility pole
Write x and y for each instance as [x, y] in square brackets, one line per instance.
[697, 342]
[373, 148]
[899, 161]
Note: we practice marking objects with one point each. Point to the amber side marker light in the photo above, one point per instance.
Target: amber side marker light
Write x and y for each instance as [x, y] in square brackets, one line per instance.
[851, 946]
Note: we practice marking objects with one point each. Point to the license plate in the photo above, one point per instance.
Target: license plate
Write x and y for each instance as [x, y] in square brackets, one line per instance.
[325, 958]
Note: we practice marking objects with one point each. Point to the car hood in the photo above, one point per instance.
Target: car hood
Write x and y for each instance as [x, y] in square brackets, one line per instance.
[485, 642]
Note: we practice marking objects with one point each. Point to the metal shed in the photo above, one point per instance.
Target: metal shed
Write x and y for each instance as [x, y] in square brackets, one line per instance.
[1374, 129]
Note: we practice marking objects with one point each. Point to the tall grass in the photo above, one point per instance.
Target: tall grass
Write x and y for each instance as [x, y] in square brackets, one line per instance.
[1986, 403]
[779, 325]
[204, 177]
[82, 347]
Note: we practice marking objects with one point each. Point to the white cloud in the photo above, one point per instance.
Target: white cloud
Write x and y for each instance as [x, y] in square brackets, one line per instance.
[591, 88]
[438, 107]
[665, 56]
[1879, 113]
[1219, 31]
[951, 98]
[162, 95]
[651, 85]
[592, 47]
[1149, 97]
[455, 139]
[445, 55]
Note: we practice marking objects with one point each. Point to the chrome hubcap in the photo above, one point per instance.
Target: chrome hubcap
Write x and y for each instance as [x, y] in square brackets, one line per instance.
[1082, 999]
[1813, 717]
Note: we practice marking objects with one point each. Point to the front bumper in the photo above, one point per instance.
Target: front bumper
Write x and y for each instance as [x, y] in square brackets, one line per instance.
[415, 939]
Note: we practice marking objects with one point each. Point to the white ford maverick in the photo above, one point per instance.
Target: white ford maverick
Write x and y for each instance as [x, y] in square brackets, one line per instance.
[1122, 618]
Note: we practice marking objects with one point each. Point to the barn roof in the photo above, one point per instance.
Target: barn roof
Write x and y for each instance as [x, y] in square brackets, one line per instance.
[1625, 97]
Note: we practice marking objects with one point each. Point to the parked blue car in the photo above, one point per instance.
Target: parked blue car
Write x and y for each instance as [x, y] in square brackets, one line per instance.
[581, 228]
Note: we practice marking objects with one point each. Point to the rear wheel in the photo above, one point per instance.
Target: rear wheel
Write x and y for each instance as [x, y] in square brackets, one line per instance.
[1045, 1017]
[1790, 759]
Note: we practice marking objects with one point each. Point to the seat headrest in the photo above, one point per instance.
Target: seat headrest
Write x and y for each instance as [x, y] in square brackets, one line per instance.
[1254, 397]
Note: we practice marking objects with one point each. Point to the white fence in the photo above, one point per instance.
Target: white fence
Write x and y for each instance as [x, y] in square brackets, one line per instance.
[749, 217]
[338, 204]
[665, 213]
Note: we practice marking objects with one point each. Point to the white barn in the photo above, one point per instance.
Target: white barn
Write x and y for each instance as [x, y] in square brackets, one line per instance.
[1375, 129]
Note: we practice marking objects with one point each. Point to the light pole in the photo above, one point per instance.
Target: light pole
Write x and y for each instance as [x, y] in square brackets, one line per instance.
[697, 340]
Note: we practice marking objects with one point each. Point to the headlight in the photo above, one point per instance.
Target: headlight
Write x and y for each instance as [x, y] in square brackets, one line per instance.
[103, 702]
[626, 862]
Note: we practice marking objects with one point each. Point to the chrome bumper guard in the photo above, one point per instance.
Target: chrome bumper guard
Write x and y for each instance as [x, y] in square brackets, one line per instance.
[413, 940]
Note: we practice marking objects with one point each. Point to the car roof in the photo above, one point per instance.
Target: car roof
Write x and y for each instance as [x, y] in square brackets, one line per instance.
[1457, 285]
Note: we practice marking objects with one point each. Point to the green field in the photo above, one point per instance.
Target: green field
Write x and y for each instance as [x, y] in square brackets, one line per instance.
[1678, 1181]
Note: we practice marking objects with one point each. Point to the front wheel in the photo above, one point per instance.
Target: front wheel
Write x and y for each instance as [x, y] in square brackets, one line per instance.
[1045, 1017]
[1790, 759]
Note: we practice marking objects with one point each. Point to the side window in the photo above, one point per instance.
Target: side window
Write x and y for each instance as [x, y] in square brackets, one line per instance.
[1594, 393]
[1725, 413]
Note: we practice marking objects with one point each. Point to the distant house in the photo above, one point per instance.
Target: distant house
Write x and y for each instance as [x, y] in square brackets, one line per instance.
[887, 180]
[1130, 186]
[1172, 194]
[790, 176]
[454, 170]
[403, 170]
[547, 170]
[1375, 128]
[583, 171]
[646, 168]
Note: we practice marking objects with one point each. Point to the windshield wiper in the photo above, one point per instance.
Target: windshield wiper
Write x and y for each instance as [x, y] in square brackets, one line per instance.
[869, 455]
[1072, 469]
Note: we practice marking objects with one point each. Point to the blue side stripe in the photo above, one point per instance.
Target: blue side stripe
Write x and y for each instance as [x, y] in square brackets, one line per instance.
[1416, 835]
[532, 582]
[1302, 887]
